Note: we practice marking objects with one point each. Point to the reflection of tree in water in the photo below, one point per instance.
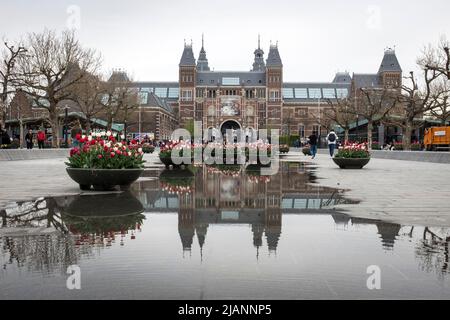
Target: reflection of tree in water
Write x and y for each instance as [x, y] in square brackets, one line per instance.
[48, 253]
[66, 239]
[433, 251]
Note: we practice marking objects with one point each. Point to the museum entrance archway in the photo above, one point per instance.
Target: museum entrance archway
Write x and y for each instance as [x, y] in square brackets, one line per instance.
[233, 126]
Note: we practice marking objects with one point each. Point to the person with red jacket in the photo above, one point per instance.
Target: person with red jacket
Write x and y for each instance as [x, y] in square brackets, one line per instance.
[41, 138]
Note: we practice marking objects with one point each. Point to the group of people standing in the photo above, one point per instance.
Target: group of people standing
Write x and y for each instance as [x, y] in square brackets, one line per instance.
[40, 137]
[332, 140]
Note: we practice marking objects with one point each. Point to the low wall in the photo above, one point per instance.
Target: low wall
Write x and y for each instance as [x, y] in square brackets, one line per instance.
[422, 156]
[23, 154]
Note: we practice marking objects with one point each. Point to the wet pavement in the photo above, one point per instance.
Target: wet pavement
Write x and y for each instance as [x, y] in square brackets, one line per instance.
[215, 232]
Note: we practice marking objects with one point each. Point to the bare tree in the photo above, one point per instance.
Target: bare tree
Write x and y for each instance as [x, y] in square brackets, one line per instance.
[414, 102]
[8, 75]
[341, 111]
[87, 94]
[441, 100]
[51, 69]
[374, 105]
[119, 100]
[437, 58]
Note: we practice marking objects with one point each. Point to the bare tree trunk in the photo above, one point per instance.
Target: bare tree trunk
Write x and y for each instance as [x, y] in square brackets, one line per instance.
[88, 124]
[369, 134]
[3, 119]
[54, 123]
[407, 136]
[346, 134]
[110, 121]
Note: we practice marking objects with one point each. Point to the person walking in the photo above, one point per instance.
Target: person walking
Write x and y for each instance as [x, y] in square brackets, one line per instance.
[332, 139]
[29, 139]
[41, 138]
[313, 144]
[76, 131]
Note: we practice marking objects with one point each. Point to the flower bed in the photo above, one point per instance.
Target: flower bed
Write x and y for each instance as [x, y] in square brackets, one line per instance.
[376, 145]
[103, 162]
[353, 150]
[181, 149]
[98, 152]
[148, 148]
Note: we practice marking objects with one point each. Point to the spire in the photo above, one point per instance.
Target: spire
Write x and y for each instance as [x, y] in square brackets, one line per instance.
[258, 64]
[202, 63]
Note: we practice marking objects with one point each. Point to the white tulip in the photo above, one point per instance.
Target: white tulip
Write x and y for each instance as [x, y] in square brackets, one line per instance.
[140, 150]
[129, 153]
[122, 137]
[98, 135]
[115, 148]
[119, 145]
[89, 138]
[108, 133]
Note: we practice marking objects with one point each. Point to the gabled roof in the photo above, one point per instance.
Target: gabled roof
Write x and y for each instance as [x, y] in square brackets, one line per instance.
[342, 77]
[366, 80]
[119, 76]
[390, 62]
[187, 59]
[274, 59]
[154, 101]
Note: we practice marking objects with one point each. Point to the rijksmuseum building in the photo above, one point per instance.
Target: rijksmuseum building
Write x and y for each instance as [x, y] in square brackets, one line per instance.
[255, 99]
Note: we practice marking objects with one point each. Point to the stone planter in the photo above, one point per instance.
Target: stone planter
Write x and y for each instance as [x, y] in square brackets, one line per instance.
[168, 163]
[104, 179]
[351, 163]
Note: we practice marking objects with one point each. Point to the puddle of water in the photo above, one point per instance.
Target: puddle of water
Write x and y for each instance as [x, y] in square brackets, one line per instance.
[215, 232]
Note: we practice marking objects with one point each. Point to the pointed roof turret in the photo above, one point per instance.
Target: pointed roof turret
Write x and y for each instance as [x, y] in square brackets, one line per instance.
[187, 59]
[202, 63]
[390, 62]
[259, 64]
[274, 59]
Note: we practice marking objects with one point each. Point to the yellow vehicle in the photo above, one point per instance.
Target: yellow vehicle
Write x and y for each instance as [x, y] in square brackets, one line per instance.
[437, 138]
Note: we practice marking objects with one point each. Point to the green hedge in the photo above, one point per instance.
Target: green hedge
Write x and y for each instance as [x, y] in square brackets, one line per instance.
[289, 140]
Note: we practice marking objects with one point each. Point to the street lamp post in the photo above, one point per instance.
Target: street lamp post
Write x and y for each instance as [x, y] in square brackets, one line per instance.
[66, 114]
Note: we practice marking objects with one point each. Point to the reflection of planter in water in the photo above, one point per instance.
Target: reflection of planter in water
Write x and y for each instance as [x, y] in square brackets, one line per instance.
[103, 213]
[167, 161]
[177, 181]
[101, 205]
[225, 169]
[104, 179]
[102, 225]
[253, 173]
[351, 163]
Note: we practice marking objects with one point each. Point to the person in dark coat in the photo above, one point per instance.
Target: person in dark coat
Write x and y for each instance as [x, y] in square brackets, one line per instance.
[313, 144]
[29, 139]
[5, 140]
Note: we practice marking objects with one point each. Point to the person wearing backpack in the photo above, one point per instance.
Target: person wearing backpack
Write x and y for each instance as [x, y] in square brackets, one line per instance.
[332, 140]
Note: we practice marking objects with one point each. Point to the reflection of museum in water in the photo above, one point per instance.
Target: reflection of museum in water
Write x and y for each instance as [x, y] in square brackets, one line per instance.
[241, 196]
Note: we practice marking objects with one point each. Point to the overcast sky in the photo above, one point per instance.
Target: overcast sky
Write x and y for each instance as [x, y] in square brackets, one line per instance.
[316, 38]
